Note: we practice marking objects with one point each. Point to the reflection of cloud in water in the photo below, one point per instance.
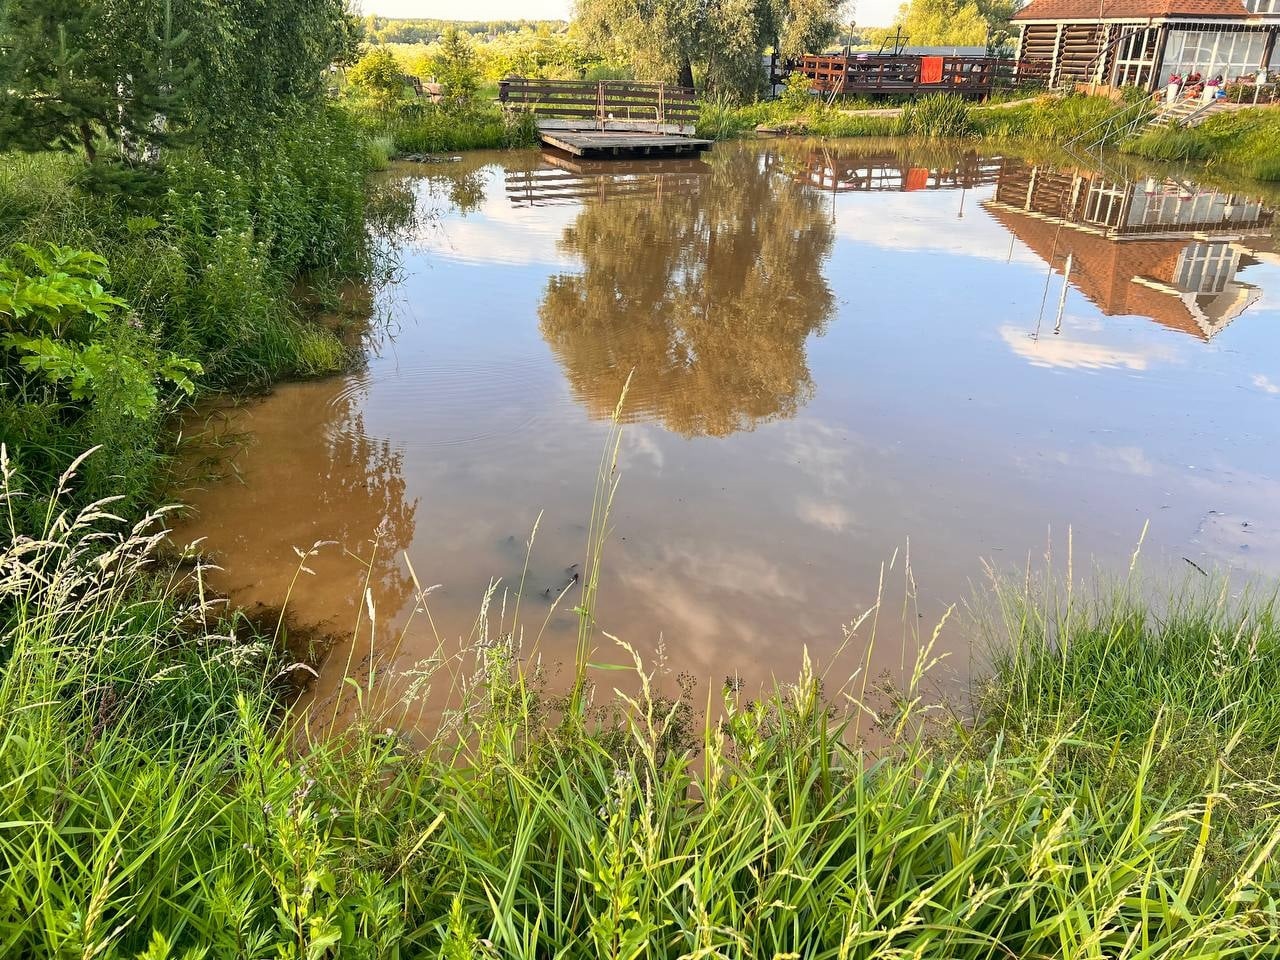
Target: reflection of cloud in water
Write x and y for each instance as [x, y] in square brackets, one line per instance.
[1052, 350]
[913, 222]
[1131, 460]
[827, 514]
[497, 233]
[1265, 383]
[712, 599]
[640, 442]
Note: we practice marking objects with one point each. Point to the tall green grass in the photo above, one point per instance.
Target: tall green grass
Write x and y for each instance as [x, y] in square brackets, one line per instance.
[424, 128]
[1047, 119]
[154, 803]
[1245, 140]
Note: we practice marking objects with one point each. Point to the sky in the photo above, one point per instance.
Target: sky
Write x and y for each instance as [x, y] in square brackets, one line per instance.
[870, 13]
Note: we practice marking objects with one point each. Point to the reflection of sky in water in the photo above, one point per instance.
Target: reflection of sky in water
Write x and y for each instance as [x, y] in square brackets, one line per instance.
[933, 408]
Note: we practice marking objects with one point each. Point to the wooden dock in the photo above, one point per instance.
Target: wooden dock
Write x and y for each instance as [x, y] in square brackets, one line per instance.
[622, 143]
[609, 118]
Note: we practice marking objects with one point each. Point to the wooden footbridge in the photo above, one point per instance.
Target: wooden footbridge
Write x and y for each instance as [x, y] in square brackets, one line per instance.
[608, 118]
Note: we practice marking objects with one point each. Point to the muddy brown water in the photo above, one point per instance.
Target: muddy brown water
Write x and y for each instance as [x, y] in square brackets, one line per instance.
[842, 352]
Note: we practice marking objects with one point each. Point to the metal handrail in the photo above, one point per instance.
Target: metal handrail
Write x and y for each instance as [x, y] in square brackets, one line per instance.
[1112, 125]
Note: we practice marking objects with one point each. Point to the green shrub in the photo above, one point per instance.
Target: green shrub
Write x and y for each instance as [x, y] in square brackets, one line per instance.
[206, 252]
[797, 95]
[937, 116]
[378, 76]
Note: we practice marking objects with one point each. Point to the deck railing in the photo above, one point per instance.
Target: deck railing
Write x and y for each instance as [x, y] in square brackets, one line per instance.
[907, 73]
[602, 101]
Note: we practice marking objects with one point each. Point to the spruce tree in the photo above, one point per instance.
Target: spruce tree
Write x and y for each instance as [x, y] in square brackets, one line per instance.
[73, 71]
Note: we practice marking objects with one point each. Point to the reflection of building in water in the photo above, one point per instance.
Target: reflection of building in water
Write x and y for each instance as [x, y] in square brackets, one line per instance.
[1156, 249]
[866, 173]
[563, 179]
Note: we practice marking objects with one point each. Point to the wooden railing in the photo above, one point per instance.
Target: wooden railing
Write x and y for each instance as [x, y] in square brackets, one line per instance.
[862, 173]
[602, 101]
[906, 73]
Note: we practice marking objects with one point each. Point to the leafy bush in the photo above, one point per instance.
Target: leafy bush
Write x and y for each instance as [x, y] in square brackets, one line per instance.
[205, 254]
[798, 92]
[68, 332]
[378, 76]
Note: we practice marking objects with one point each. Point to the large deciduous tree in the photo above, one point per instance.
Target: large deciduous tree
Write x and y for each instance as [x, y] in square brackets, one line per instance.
[960, 22]
[721, 40]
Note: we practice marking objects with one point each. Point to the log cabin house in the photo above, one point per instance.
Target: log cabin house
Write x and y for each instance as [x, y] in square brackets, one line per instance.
[1140, 43]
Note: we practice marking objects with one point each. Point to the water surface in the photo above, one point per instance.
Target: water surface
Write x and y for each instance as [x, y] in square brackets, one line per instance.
[838, 353]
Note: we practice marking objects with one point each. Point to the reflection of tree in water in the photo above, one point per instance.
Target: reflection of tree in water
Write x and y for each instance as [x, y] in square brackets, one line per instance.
[708, 293]
[361, 496]
[462, 184]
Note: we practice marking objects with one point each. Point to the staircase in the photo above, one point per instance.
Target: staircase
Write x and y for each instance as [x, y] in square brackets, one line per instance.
[1188, 112]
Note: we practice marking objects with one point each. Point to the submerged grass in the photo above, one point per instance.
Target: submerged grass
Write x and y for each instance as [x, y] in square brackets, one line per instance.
[154, 804]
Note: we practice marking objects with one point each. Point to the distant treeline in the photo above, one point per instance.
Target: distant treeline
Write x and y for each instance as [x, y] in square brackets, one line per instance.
[421, 30]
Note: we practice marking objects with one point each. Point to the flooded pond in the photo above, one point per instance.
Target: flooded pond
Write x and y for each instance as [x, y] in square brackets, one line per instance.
[840, 352]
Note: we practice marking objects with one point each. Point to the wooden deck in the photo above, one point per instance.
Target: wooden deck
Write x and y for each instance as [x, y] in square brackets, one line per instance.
[866, 74]
[619, 143]
[608, 118]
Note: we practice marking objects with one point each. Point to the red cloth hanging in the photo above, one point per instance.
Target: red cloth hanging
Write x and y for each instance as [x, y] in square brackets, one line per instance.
[930, 69]
[917, 179]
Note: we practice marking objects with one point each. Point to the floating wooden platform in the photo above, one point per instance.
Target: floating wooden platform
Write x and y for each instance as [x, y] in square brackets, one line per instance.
[608, 118]
[631, 143]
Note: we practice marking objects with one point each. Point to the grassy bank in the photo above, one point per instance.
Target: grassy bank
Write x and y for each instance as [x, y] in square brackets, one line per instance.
[939, 116]
[1114, 792]
[421, 127]
[1247, 141]
[188, 286]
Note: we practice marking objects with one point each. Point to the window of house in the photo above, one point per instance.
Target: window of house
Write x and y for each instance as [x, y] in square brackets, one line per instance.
[1232, 53]
[1206, 267]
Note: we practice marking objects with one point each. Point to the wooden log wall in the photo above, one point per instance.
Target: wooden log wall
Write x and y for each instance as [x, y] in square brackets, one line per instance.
[1079, 53]
[1039, 42]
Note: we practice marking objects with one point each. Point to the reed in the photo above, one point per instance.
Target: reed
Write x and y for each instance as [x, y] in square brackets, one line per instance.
[157, 803]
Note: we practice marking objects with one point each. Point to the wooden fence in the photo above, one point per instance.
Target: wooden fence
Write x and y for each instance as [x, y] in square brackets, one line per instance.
[602, 101]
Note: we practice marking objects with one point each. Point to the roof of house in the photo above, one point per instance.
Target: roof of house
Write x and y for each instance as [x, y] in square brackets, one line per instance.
[1117, 9]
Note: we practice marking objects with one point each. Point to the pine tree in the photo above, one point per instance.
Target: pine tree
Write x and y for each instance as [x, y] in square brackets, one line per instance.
[75, 70]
